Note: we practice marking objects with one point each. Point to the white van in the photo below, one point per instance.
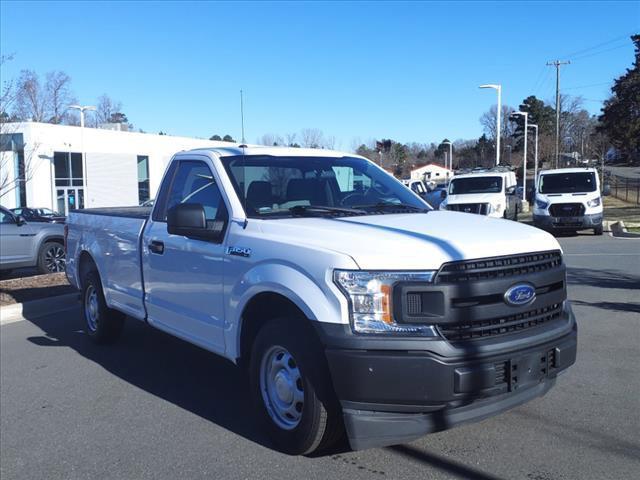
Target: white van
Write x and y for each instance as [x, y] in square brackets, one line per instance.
[568, 199]
[491, 193]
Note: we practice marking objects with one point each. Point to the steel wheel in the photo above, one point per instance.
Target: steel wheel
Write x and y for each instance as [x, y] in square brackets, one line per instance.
[281, 386]
[54, 259]
[91, 308]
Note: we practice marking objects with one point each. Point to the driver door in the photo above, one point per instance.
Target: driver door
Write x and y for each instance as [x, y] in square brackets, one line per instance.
[183, 276]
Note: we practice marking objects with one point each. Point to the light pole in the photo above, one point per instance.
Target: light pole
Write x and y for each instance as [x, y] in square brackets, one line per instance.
[82, 109]
[498, 88]
[535, 156]
[447, 142]
[524, 160]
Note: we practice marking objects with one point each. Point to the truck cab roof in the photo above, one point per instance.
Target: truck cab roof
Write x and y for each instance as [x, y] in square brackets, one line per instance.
[236, 150]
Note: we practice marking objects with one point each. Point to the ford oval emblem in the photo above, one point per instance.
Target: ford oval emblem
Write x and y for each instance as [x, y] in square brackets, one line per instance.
[520, 294]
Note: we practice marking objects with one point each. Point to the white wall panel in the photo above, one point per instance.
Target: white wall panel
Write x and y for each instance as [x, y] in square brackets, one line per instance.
[112, 180]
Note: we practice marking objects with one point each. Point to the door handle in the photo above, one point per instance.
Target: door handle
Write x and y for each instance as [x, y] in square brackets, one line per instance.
[156, 247]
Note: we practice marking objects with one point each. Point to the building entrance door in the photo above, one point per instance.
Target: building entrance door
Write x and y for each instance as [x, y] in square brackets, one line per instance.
[68, 199]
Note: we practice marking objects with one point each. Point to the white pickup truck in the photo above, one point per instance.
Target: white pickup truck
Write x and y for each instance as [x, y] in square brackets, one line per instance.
[354, 306]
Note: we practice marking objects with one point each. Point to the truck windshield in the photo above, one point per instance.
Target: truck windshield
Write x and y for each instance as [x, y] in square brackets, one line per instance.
[272, 186]
[576, 182]
[462, 186]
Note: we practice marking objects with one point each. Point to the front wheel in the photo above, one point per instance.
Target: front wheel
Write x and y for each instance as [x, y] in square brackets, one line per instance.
[103, 324]
[292, 389]
[598, 230]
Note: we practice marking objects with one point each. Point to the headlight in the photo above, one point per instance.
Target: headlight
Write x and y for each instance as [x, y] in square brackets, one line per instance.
[370, 296]
[541, 204]
[494, 208]
[594, 203]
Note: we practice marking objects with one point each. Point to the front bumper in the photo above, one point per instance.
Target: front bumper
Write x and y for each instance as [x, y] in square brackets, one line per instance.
[548, 222]
[396, 390]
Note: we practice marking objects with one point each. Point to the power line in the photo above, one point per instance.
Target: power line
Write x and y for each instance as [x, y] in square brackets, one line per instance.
[598, 53]
[625, 36]
[587, 86]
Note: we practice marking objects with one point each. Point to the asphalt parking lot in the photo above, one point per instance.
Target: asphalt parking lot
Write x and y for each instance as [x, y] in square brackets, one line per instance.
[153, 406]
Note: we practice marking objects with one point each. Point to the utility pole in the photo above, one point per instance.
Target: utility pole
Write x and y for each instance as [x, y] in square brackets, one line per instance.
[558, 64]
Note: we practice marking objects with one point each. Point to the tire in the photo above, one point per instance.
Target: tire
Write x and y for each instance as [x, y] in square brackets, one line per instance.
[103, 324]
[51, 258]
[515, 214]
[598, 230]
[292, 389]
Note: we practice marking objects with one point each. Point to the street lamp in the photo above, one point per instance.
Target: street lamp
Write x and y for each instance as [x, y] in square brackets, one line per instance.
[82, 109]
[524, 162]
[498, 88]
[535, 165]
[447, 142]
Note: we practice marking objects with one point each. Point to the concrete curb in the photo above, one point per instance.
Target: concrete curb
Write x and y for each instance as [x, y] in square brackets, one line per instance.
[618, 229]
[37, 308]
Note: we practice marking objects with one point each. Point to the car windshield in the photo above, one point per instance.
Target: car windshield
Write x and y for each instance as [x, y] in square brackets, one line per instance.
[462, 186]
[576, 182]
[272, 186]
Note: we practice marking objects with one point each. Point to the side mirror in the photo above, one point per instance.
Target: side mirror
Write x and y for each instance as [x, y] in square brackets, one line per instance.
[443, 194]
[20, 221]
[511, 190]
[606, 190]
[189, 220]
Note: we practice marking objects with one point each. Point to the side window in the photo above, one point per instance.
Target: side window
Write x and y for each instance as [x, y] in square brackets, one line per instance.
[6, 217]
[194, 183]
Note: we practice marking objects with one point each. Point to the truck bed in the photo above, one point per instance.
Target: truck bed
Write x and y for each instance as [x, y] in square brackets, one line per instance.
[113, 236]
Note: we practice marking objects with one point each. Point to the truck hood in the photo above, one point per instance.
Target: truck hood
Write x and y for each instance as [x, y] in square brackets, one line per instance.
[414, 241]
[475, 198]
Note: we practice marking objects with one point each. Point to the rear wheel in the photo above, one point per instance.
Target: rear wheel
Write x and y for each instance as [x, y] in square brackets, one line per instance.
[598, 230]
[51, 258]
[292, 389]
[515, 213]
[104, 325]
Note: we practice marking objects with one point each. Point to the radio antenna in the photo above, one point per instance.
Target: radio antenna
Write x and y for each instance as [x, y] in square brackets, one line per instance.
[244, 166]
[242, 115]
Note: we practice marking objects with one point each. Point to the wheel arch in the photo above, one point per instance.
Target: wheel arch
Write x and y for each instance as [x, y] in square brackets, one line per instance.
[258, 311]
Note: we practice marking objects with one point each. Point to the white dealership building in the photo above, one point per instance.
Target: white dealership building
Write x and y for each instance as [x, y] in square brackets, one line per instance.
[43, 166]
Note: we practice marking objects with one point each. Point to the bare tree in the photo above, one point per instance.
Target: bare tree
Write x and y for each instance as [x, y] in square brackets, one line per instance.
[31, 99]
[271, 139]
[106, 108]
[291, 139]
[311, 138]
[11, 140]
[59, 96]
[488, 122]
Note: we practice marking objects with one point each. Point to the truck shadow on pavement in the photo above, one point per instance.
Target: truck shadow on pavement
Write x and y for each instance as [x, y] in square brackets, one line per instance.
[602, 278]
[197, 381]
[176, 371]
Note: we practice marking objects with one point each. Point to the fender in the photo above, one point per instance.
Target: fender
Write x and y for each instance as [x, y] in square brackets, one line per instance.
[318, 302]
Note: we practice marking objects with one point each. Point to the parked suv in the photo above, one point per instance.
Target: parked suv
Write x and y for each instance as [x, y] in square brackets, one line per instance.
[30, 244]
[568, 199]
[39, 215]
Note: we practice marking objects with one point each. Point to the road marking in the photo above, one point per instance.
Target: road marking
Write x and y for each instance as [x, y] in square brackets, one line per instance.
[9, 316]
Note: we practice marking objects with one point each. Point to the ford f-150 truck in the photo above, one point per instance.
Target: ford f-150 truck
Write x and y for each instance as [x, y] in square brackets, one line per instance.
[353, 305]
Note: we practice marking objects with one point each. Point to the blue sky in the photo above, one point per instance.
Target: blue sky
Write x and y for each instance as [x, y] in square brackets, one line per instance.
[363, 70]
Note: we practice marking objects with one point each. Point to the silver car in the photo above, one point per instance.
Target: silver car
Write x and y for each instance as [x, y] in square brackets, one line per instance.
[25, 244]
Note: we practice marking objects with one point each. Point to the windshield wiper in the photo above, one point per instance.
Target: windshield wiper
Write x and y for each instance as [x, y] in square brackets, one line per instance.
[315, 210]
[394, 206]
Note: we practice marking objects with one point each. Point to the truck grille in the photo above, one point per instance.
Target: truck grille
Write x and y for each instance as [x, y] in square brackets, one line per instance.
[566, 210]
[479, 208]
[502, 325]
[497, 267]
